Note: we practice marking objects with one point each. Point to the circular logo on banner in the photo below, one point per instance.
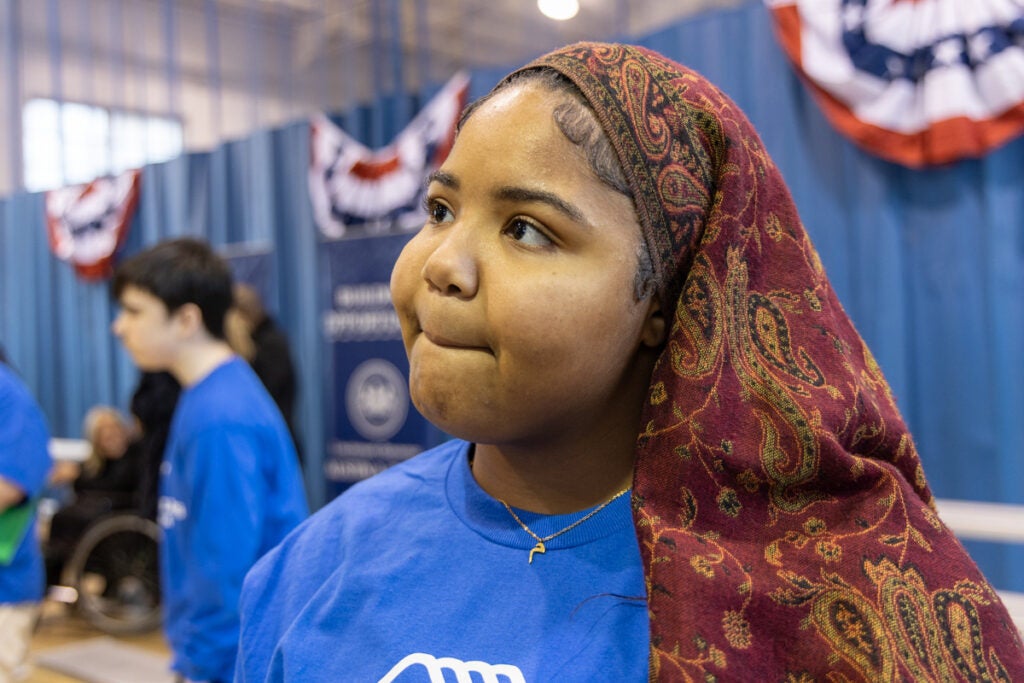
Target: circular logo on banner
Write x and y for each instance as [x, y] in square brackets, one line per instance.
[377, 399]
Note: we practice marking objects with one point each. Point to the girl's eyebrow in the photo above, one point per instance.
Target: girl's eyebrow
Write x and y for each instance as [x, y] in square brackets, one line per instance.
[446, 179]
[523, 194]
[517, 194]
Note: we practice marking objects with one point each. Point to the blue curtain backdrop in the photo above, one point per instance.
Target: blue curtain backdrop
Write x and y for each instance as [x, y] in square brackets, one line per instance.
[929, 264]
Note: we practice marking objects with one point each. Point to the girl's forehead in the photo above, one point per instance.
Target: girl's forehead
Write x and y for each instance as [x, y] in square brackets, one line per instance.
[498, 132]
[517, 121]
[512, 148]
[517, 100]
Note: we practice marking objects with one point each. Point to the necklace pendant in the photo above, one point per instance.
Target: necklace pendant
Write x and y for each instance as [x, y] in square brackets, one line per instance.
[539, 548]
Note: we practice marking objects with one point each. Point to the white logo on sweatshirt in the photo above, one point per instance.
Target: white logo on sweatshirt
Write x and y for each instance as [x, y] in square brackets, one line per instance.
[436, 667]
[170, 511]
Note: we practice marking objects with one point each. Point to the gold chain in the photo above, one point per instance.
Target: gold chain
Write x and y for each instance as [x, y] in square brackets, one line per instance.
[540, 547]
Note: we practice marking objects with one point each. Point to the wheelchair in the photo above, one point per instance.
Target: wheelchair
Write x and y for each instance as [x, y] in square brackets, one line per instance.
[111, 575]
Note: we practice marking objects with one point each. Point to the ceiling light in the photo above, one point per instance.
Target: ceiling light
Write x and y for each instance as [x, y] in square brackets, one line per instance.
[559, 9]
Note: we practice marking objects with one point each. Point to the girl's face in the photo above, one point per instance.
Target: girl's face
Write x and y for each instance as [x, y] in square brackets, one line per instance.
[516, 298]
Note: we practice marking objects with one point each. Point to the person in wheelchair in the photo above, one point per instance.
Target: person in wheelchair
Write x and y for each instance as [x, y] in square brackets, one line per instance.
[107, 482]
[101, 547]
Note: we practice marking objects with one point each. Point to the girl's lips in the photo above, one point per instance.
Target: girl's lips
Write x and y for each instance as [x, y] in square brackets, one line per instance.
[446, 342]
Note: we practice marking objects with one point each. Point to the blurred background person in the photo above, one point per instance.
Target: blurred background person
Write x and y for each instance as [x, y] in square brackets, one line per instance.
[113, 465]
[152, 404]
[24, 463]
[257, 337]
[108, 481]
[230, 485]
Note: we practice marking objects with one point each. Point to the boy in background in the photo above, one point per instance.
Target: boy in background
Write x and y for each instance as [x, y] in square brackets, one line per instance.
[230, 486]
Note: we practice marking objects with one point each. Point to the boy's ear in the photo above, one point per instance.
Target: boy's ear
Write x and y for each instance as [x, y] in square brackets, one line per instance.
[189, 319]
[655, 328]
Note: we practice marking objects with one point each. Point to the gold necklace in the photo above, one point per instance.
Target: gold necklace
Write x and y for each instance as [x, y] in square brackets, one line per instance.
[540, 547]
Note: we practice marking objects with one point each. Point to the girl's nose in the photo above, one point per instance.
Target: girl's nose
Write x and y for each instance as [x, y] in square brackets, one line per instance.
[452, 267]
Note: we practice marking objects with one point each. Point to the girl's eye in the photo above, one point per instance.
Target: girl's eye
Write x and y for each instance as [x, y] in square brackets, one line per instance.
[437, 212]
[523, 231]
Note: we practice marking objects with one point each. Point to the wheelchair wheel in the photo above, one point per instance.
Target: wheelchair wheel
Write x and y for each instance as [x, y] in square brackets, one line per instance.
[115, 573]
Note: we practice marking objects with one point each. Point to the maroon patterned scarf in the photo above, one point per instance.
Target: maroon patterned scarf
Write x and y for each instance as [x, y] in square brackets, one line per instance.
[786, 528]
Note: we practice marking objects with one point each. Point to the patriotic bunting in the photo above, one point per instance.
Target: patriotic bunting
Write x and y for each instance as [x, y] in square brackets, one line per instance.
[86, 224]
[377, 191]
[918, 82]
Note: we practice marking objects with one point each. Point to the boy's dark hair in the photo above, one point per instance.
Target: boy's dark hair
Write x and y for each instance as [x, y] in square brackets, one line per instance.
[178, 272]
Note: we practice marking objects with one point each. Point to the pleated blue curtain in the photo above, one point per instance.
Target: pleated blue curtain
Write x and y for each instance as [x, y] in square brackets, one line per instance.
[929, 264]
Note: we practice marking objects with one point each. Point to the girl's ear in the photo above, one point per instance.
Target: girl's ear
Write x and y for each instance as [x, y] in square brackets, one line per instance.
[654, 329]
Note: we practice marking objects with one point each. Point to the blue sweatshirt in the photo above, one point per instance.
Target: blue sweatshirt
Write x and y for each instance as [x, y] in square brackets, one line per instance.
[24, 461]
[230, 490]
[417, 574]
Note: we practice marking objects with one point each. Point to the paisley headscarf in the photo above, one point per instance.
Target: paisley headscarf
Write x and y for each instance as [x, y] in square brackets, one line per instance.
[786, 528]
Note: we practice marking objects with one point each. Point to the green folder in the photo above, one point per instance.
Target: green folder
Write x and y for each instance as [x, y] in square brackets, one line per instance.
[14, 524]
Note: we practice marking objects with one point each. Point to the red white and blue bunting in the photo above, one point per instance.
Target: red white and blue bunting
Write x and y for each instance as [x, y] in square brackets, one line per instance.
[352, 186]
[86, 224]
[918, 82]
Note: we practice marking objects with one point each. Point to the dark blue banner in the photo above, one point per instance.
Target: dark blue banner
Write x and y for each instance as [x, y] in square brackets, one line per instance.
[372, 423]
[252, 265]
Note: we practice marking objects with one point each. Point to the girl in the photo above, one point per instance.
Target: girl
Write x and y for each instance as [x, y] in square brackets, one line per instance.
[613, 301]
